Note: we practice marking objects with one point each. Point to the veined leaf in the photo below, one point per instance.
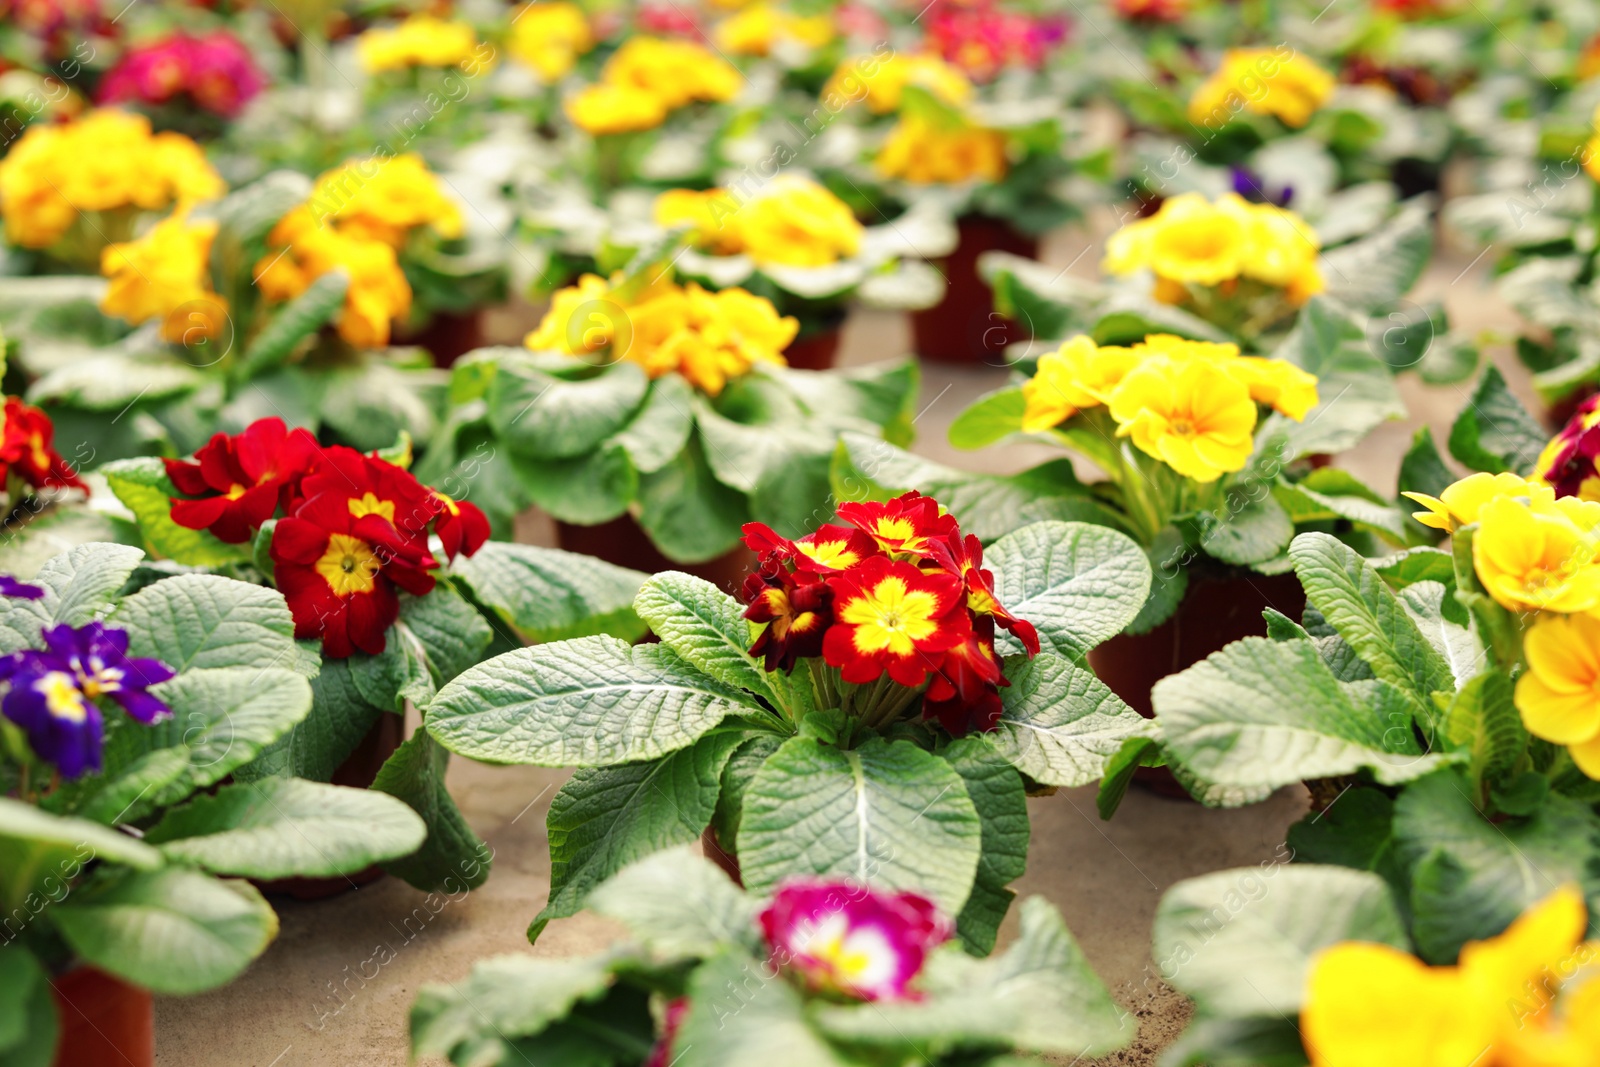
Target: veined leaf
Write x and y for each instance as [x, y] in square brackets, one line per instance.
[1061, 725]
[453, 857]
[1078, 584]
[205, 620]
[545, 594]
[705, 626]
[142, 484]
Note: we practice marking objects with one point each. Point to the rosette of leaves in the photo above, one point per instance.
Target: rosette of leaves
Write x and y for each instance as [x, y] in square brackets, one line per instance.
[502, 597]
[139, 869]
[691, 732]
[1392, 699]
[1248, 525]
[125, 391]
[694, 934]
[591, 443]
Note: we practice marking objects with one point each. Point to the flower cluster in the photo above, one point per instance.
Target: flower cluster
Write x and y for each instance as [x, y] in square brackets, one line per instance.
[420, 41]
[548, 38]
[1196, 247]
[1190, 404]
[214, 72]
[885, 81]
[358, 218]
[982, 38]
[105, 161]
[1527, 998]
[899, 594]
[756, 29]
[852, 942]
[1567, 463]
[926, 151]
[28, 453]
[354, 528]
[792, 222]
[708, 337]
[52, 694]
[1264, 81]
[1538, 554]
[165, 275]
[647, 79]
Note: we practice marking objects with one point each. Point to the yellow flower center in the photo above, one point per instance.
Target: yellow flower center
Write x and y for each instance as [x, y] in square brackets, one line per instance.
[235, 491]
[62, 698]
[834, 554]
[891, 617]
[349, 565]
[369, 504]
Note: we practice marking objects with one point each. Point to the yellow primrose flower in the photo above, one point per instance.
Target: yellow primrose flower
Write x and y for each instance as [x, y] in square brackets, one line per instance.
[607, 109]
[105, 161]
[164, 275]
[378, 295]
[1278, 384]
[1538, 554]
[1559, 695]
[419, 41]
[675, 72]
[1196, 421]
[1263, 81]
[711, 214]
[1370, 1005]
[885, 80]
[548, 38]
[1461, 501]
[925, 152]
[795, 222]
[384, 199]
[754, 30]
[1078, 375]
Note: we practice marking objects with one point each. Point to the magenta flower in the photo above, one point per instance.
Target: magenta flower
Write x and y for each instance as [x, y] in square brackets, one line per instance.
[661, 1054]
[216, 72]
[983, 39]
[852, 941]
[1568, 463]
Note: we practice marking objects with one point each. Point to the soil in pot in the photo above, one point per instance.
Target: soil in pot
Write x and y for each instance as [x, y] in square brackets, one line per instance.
[104, 1021]
[359, 770]
[964, 327]
[1216, 611]
[623, 541]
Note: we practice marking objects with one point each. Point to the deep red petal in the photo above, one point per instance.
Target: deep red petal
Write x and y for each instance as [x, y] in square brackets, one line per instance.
[298, 541]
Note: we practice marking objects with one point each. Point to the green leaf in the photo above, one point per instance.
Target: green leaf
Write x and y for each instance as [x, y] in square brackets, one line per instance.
[1423, 470]
[1049, 302]
[763, 1023]
[1078, 584]
[204, 620]
[293, 323]
[1416, 565]
[453, 858]
[605, 818]
[78, 586]
[1262, 714]
[689, 515]
[1246, 531]
[320, 742]
[1241, 942]
[992, 419]
[1040, 995]
[1494, 432]
[547, 416]
[593, 488]
[736, 777]
[397, 675]
[174, 931]
[679, 905]
[284, 827]
[998, 795]
[372, 402]
[885, 814]
[1483, 721]
[659, 431]
[1259, 1041]
[36, 846]
[1357, 603]
[1380, 269]
[28, 1024]
[1061, 725]
[143, 485]
[705, 626]
[450, 634]
[1135, 752]
[225, 717]
[588, 702]
[110, 382]
[545, 594]
[1356, 831]
[126, 792]
[1471, 878]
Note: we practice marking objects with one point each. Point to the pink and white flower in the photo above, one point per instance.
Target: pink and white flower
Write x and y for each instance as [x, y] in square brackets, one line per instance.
[852, 941]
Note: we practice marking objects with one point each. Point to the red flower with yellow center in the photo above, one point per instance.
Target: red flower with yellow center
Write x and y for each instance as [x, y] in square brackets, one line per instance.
[825, 550]
[904, 526]
[27, 448]
[241, 481]
[337, 561]
[963, 693]
[373, 486]
[963, 557]
[889, 616]
[794, 614]
[462, 527]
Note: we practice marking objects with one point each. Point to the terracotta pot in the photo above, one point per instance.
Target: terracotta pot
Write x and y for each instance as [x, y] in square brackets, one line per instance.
[623, 541]
[359, 770]
[724, 858]
[104, 1021]
[448, 335]
[964, 327]
[1215, 612]
[818, 352]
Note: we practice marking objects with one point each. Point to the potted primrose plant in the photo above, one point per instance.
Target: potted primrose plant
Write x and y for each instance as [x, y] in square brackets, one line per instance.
[653, 418]
[875, 707]
[354, 543]
[817, 972]
[134, 700]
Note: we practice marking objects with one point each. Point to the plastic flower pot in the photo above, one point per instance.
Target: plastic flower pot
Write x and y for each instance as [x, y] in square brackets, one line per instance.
[964, 328]
[724, 858]
[818, 351]
[1215, 612]
[359, 770]
[449, 335]
[622, 541]
[104, 1020]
